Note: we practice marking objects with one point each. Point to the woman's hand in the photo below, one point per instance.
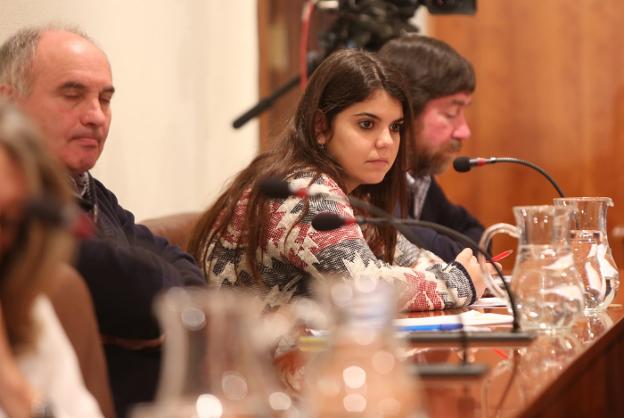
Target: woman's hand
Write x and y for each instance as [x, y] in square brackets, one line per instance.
[467, 259]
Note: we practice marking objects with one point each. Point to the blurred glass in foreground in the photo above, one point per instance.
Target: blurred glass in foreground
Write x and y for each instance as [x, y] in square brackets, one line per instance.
[360, 373]
[217, 358]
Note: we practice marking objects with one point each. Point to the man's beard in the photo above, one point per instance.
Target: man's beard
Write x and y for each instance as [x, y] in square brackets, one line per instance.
[426, 162]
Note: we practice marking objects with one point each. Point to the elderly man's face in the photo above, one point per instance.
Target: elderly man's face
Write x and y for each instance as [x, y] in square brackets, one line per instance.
[70, 98]
[441, 133]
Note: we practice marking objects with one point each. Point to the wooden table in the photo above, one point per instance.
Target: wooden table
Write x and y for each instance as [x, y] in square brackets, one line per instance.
[577, 374]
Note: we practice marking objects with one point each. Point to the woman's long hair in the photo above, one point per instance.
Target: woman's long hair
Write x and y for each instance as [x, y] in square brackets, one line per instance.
[38, 246]
[343, 79]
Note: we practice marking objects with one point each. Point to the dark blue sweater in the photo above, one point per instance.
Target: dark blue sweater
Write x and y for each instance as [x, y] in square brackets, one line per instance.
[438, 209]
[125, 267]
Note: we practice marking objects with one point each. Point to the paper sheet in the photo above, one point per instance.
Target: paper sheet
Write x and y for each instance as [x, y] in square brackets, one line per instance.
[469, 318]
[491, 302]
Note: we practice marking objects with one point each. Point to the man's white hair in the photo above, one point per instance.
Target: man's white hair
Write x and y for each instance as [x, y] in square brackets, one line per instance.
[17, 54]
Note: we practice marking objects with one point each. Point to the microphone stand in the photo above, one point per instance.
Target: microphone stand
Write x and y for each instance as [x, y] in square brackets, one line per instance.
[514, 338]
[277, 188]
[465, 164]
[517, 335]
[265, 103]
[470, 243]
[533, 166]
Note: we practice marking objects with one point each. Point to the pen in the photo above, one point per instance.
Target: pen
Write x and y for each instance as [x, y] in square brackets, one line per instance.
[431, 327]
[502, 255]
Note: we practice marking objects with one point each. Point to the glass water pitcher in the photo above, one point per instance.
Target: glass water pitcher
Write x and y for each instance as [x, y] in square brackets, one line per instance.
[545, 282]
[361, 373]
[590, 246]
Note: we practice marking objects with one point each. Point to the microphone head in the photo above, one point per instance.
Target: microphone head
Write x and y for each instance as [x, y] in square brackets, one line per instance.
[275, 188]
[51, 212]
[327, 221]
[46, 210]
[462, 164]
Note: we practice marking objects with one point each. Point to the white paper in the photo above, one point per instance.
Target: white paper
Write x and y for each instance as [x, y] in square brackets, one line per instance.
[490, 302]
[469, 318]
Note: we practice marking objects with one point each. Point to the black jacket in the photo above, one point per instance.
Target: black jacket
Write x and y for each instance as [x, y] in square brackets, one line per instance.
[125, 267]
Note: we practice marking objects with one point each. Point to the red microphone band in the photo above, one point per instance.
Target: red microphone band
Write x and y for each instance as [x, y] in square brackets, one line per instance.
[81, 226]
[481, 161]
[302, 192]
[350, 221]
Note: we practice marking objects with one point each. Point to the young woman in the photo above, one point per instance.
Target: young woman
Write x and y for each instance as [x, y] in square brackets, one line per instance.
[39, 374]
[347, 137]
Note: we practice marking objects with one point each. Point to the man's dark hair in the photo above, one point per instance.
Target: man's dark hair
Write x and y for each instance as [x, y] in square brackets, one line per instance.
[432, 67]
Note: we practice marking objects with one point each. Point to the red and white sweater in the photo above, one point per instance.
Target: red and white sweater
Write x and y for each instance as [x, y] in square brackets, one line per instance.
[292, 260]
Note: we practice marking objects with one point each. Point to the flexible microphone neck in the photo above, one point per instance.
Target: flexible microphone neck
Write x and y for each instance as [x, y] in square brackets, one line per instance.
[330, 221]
[515, 336]
[277, 188]
[464, 164]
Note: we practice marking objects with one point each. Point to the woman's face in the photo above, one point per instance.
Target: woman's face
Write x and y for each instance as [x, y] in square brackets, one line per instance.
[365, 138]
[12, 194]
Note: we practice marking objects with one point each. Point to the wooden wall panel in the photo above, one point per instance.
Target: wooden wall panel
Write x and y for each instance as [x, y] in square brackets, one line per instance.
[279, 38]
[550, 90]
[279, 26]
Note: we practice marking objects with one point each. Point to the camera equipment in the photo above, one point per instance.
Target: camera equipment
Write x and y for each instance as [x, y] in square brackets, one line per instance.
[368, 24]
[365, 24]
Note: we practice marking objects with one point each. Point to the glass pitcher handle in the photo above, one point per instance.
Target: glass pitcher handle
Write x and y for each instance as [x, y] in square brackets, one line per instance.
[493, 284]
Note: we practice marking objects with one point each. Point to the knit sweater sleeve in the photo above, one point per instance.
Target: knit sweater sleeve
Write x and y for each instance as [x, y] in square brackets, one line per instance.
[424, 282]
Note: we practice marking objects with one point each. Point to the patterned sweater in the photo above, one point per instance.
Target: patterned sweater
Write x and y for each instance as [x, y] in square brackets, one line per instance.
[294, 254]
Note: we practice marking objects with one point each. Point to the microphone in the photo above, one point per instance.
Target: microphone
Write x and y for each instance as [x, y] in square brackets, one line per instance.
[277, 188]
[51, 212]
[329, 221]
[465, 164]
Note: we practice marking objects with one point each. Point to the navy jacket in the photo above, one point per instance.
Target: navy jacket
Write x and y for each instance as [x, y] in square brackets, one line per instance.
[125, 267]
[438, 209]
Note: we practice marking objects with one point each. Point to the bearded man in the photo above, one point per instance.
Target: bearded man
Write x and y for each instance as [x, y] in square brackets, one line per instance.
[441, 83]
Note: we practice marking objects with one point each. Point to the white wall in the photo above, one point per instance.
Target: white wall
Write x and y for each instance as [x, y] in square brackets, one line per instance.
[183, 70]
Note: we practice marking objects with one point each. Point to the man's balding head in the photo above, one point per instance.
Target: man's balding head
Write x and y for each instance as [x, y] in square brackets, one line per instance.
[63, 81]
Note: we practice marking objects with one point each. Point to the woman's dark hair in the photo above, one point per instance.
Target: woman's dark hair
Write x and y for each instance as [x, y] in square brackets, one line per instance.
[344, 78]
[432, 68]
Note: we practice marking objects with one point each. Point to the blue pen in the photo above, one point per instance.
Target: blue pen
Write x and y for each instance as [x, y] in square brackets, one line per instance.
[431, 327]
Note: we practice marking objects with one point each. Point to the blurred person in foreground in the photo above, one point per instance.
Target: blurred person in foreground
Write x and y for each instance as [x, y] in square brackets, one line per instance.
[39, 373]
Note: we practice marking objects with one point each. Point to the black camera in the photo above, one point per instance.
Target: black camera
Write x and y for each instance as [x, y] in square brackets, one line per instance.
[445, 7]
[368, 24]
[365, 24]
